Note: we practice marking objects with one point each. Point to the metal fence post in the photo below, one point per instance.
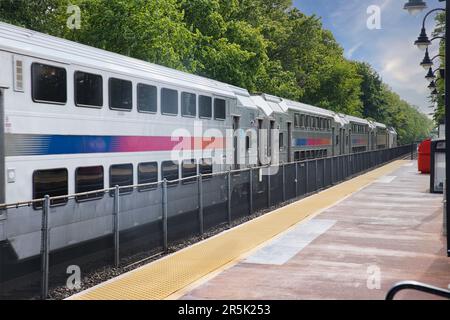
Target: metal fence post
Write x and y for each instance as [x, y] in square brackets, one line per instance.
[200, 203]
[296, 179]
[164, 217]
[45, 248]
[412, 151]
[324, 161]
[229, 197]
[347, 167]
[306, 176]
[316, 178]
[269, 200]
[284, 181]
[251, 190]
[332, 170]
[116, 226]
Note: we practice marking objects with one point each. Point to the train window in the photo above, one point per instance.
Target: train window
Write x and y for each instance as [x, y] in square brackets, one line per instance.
[302, 155]
[337, 139]
[247, 142]
[219, 109]
[53, 183]
[120, 94]
[302, 121]
[189, 169]
[205, 107]
[147, 173]
[325, 153]
[49, 84]
[147, 98]
[281, 140]
[169, 101]
[329, 124]
[188, 104]
[308, 119]
[205, 167]
[169, 171]
[297, 156]
[89, 179]
[121, 175]
[296, 120]
[308, 155]
[88, 89]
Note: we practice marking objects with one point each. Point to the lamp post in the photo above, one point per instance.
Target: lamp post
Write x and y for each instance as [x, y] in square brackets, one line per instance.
[427, 62]
[431, 77]
[414, 7]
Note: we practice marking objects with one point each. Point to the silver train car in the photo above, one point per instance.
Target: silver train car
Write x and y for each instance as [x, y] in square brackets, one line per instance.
[76, 119]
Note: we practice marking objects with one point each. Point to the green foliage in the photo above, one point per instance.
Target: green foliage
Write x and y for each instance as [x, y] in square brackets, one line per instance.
[262, 45]
[383, 105]
[439, 112]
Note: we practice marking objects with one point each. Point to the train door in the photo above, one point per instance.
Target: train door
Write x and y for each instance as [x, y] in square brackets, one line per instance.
[2, 147]
[289, 142]
[374, 140]
[261, 146]
[333, 142]
[235, 142]
[270, 140]
[349, 140]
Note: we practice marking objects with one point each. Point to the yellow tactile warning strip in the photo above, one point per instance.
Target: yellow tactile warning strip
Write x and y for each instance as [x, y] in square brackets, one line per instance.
[164, 277]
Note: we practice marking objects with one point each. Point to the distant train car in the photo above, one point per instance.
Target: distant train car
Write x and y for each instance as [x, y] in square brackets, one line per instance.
[392, 137]
[359, 134]
[382, 136]
[78, 119]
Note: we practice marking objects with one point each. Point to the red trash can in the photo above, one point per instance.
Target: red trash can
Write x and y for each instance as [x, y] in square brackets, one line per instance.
[424, 156]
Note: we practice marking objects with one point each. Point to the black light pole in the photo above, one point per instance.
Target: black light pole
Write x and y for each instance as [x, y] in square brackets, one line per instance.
[415, 6]
[447, 126]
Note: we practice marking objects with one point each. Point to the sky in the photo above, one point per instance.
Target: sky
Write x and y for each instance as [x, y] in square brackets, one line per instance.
[390, 50]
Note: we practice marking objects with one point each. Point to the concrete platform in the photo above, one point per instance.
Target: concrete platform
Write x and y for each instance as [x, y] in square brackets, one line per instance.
[352, 241]
[387, 232]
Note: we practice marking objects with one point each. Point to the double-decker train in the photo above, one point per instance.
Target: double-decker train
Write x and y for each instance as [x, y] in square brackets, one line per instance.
[76, 119]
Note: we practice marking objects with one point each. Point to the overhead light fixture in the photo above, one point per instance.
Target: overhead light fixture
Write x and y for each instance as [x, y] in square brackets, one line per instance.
[434, 93]
[426, 62]
[422, 41]
[430, 75]
[432, 86]
[415, 7]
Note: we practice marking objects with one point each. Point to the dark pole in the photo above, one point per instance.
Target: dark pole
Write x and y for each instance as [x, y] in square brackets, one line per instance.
[447, 122]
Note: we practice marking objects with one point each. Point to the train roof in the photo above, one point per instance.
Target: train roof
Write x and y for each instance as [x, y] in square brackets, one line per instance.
[262, 104]
[32, 43]
[380, 125]
[392, 130]
[243, 97]
[358, 120]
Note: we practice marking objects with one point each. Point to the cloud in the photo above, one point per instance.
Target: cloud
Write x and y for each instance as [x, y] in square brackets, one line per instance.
[353, 49]
[390, 50]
